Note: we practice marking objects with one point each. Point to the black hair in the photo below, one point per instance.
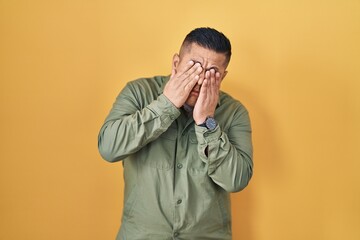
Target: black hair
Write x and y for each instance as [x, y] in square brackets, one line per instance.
[211, 39]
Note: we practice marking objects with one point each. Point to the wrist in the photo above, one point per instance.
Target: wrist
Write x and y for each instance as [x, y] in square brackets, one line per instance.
[209, 123]
[200, 121]
[177, 105]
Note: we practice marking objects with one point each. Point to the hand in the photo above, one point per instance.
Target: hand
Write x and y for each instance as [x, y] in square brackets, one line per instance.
[208, 97]
[178, 88]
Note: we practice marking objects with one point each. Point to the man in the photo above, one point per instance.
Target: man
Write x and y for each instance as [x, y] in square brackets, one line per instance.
[185, 145]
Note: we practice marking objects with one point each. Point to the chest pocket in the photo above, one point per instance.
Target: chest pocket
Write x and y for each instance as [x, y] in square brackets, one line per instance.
[170, 134]
[161, 152]
[192, 137]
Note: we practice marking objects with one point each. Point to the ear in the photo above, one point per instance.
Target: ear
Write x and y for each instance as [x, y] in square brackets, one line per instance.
[224, 75]
[175, 61]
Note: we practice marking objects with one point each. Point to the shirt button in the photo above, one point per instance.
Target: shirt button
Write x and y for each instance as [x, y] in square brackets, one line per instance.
[179, 166]
[179, 201]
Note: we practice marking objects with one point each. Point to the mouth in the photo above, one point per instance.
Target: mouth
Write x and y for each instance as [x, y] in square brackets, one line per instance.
[194, 93]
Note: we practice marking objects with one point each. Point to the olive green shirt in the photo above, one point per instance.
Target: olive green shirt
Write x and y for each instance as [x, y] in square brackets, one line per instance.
[177, 175]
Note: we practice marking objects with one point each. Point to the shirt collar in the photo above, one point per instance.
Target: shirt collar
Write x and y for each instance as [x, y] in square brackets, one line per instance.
[162, 86]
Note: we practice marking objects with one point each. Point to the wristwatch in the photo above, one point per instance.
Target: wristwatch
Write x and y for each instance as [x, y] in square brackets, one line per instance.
[209, 123]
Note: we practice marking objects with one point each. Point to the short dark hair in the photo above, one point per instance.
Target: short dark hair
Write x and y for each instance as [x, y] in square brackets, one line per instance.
[211, 39]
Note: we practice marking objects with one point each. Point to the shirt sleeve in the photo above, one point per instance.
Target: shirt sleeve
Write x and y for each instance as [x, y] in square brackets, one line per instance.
[130, 125]
[228, 155]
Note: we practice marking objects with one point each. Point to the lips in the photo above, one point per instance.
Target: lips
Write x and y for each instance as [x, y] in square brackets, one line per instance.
[196, 90]
[196, 93]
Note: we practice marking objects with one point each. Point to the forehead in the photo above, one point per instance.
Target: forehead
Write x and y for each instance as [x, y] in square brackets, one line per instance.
[203, 55]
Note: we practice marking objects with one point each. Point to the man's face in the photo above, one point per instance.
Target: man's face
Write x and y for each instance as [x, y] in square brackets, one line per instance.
[207, 58]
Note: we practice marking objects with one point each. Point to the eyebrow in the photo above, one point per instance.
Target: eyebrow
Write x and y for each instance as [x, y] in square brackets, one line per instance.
[214, 67]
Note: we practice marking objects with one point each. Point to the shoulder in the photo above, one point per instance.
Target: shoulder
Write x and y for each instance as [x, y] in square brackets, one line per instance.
[143, 91]
[226, 101]
[148, 83]
[232, 112]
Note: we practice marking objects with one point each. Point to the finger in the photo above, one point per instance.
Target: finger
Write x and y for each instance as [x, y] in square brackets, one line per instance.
[212, 74]
[203, 90]
[181, 76]
[189, 68]
[190, 81]
[185, 68]
[192, 73]
[205, 84]
[207, 75]
[218, 80]
[212, 86]
[201, 79]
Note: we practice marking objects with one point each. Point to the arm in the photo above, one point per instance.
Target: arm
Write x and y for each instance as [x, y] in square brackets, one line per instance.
[132, 123]
[229, 156]
[129, 127]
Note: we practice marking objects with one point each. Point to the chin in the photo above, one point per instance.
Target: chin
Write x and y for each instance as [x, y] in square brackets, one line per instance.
[191, 102]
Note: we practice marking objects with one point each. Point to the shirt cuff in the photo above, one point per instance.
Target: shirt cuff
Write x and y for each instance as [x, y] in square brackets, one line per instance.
[165, 109]
[205, 136]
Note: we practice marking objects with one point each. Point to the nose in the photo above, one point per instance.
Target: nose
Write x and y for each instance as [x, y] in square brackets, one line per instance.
[201, 79]
[202, 74]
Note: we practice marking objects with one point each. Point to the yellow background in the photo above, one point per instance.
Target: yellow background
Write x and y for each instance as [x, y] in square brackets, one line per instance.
[296, 66]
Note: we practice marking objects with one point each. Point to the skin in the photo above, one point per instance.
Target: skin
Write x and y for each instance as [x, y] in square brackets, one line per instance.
[196, 76]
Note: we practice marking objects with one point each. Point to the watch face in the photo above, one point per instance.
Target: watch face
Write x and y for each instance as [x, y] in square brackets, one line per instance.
[210, 123]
